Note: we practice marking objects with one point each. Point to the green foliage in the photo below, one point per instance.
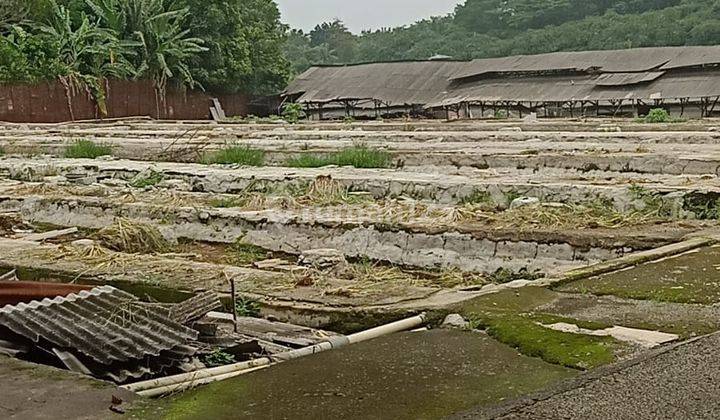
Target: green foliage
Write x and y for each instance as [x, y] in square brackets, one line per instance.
[241, 253]
[501, 114]
[531, 339]
[247, 307]
[357, 156]
[703, 207]
[505, 275]
[293, 112]
[155, 29]
[657, 115]
[227, 46]
[226, 203]
[245, 45]
[495, 28]
[147, 180]
[218, 358]
[86, 149]
[238, 155]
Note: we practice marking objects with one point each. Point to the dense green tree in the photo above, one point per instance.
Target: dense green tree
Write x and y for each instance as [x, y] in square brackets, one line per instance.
[338, 39]
[300, 52]
[245, 45]
[153, 33]
[493, 28]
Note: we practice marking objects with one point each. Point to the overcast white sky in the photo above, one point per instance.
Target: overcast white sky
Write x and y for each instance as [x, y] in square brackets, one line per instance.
[362, 14]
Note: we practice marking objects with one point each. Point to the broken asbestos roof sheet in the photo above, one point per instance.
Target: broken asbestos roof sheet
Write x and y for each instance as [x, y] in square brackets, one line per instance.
[103, 327]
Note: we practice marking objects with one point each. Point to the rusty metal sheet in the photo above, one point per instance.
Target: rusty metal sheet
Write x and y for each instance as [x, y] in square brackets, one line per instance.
[14, 292]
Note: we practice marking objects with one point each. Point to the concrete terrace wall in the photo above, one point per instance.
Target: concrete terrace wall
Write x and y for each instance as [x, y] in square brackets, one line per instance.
[54, 102]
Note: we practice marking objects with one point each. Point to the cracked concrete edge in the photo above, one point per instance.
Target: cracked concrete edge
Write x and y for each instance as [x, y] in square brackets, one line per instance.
[581, 381]
[630, 260]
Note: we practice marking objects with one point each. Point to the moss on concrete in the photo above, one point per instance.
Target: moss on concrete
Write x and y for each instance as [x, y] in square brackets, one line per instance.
[404, 376]
[693, 277]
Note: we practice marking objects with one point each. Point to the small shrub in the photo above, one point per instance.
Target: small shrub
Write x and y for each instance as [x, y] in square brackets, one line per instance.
[247, 307]
[2, 151]
[308, 161]
[241, 253]
[656, 116]
[501, 114]
[363, 157]
[86, 149]
[293, 113]
[505, 275]
[149, 179]
[238, 155]
[478, 197]
[218, 358]
[225, 203]
[357, 156]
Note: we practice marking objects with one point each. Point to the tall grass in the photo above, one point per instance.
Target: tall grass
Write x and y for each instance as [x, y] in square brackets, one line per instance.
[239, 155]
[356, 156]
[87, 149]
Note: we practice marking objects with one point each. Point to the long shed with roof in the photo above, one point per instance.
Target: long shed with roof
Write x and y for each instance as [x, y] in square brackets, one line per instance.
[686, 79]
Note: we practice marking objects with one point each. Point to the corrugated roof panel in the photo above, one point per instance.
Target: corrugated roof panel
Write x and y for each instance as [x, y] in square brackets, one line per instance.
[624, 79]
[104, 324]
[402, 83]
[629, 60]
[566, 88]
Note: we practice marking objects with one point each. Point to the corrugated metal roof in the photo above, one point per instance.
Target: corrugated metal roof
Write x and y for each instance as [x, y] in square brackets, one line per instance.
[104, 324]
[566, 88]
[625, 79]
[609, 61]
[640, 73]
[395, 84]
[14, 292]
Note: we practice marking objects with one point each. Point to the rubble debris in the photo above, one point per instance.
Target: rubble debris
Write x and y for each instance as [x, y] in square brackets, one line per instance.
[45, 236]
[9, 276]
[643, 338]
[106, 330]
[196, 307]
[455, 321]
[323, 259]
[282, 333]
[277, 264]
[524, 201]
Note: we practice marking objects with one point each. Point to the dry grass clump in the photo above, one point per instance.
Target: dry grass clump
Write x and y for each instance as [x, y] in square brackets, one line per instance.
[571, 216]
[323, 191]
[553, 216]
[132, 237]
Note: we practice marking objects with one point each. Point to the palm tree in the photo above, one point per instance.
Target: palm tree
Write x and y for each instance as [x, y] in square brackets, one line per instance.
[89, 53]
[155, 28]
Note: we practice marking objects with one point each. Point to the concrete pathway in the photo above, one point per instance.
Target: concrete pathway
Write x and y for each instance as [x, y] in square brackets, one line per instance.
[679, 382]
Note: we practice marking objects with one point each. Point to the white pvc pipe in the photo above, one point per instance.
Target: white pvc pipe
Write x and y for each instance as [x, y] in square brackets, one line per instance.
[171, 389]
[189, 380]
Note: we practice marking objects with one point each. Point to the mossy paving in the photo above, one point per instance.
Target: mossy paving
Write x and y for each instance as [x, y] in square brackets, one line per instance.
[692, 277]
[404, 376]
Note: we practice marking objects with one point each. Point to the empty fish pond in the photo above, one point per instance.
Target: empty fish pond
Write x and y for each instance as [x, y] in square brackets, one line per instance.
[520, 259]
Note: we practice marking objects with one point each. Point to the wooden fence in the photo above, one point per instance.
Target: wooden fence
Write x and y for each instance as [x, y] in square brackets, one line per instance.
[53, 102]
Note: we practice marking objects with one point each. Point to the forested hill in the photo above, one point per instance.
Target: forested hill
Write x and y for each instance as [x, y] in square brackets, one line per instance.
[494, 28]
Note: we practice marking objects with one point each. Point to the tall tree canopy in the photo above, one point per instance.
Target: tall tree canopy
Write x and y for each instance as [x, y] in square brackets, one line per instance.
[219, 45]
[493, 28]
